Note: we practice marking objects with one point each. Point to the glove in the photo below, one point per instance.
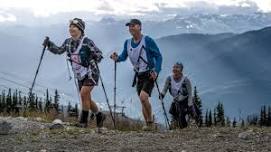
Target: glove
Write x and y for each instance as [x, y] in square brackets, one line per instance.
[161, 96]
[46, 42]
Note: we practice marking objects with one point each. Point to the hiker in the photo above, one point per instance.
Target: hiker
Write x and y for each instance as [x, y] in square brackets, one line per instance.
[180, 89]
[146, 59]
[83, 56]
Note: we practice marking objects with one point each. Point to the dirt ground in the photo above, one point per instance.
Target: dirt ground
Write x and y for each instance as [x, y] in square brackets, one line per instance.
[73, 139]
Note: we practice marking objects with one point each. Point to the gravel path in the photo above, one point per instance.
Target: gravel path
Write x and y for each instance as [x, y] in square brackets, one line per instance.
[186, 140]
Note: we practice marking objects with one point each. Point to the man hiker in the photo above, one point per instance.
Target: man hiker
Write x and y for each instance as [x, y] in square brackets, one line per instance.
[146, 59]
[180, 89]
[83, 56]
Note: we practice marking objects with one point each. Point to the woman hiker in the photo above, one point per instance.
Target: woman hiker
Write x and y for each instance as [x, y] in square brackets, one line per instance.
[83, 56]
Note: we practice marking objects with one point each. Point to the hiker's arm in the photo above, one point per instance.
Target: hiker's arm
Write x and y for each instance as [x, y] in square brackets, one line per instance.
[189, 89]
[95, 52]
[156, 54]
[55, 49]
[123, 56]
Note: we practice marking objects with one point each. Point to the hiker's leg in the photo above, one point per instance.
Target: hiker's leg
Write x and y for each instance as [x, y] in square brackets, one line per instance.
[85, 96]
[183, 112]
[146, 106]
[93, 106]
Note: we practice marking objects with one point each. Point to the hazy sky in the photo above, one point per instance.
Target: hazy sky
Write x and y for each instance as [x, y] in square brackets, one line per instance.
[47, 8]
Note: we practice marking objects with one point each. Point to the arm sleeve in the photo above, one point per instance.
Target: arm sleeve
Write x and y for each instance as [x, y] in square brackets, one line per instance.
[123, 56]
[189, 89]
[95, 52]
[155, 53]
[52, 47]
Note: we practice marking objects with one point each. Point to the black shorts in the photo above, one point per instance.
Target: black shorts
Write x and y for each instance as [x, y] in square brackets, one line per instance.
[89, 81]
[144, 83]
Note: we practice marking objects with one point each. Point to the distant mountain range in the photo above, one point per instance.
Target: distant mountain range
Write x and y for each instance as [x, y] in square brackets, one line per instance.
[233, 68]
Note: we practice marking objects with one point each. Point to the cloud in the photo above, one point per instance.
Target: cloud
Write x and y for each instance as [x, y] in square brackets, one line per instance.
[4, 17]
[46, 8]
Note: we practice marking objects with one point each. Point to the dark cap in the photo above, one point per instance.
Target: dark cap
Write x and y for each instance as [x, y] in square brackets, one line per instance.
[134, 22]
[78, 23]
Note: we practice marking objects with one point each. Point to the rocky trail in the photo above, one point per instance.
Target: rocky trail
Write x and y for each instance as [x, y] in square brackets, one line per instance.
[22, 134]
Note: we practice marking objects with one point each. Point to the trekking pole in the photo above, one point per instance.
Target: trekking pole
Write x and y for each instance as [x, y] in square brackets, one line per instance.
[37, 71]
[115, 88]
[106, 97]
[163, 106]
[68, 68]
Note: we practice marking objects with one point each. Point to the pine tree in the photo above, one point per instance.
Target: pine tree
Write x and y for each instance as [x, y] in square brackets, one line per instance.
[243, 123]
[269, 116]
[4, 105]
[14, 100]
[215, 115]
[198, 103]
[210, 123]
[76, 109]
[69, 107]
[220, 114]
[20, 100]
[1, 106]
[234, 122]
[9, 101]
[265, 116]
[206, 118]
[56, 100]
[31, 101]
[47, 101]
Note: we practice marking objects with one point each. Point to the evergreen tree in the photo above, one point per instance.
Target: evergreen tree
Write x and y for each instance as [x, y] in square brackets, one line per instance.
[210, 123]
[206, 118]
[269, 116]
[215, 115]
[56, 100]
[263, 116]
[69, 107]
[3, 100]
[47, 101]
[36, 103]
[1, 106]
[198, 103]
[31, 102]
[14, 100]
[20, 100]
[234, 122]
[252, 119]
[220, 114]
[76, 109]
[9, 101]
[243, 123]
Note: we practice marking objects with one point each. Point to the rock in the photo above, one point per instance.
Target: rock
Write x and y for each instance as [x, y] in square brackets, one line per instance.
[39, 119]
[57, 124]
[5, 127]
[246, 135]
[57, 121]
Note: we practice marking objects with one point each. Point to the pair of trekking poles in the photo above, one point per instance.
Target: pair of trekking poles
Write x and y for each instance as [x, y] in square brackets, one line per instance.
[103, 87]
